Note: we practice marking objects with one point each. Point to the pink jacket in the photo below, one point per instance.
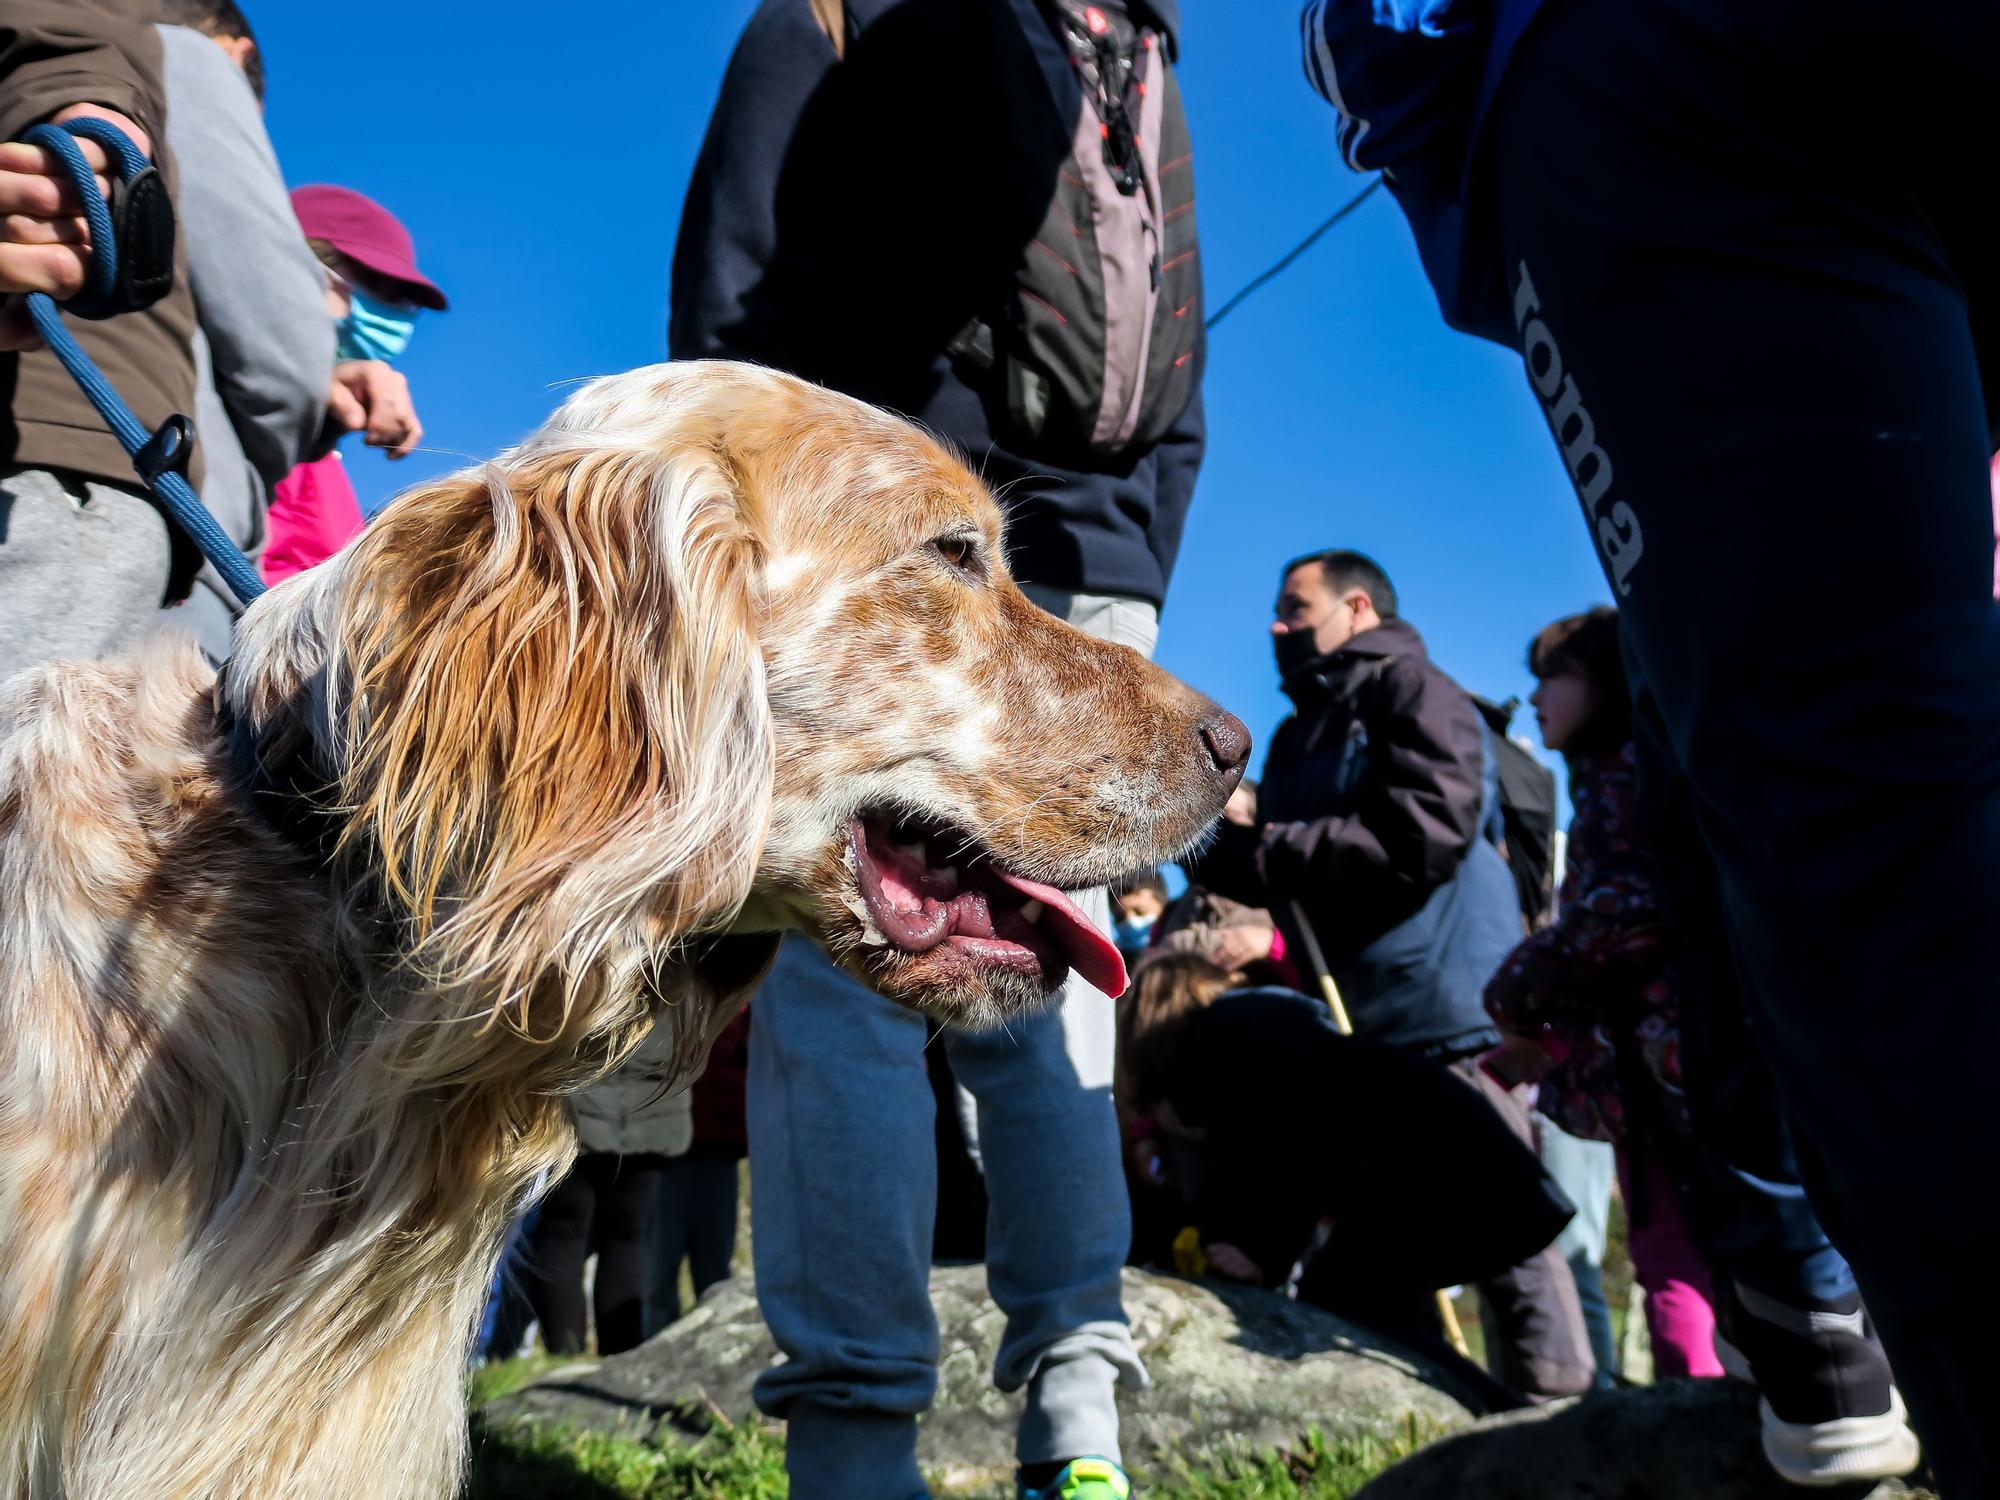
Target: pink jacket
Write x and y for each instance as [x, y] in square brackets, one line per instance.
[314, 513]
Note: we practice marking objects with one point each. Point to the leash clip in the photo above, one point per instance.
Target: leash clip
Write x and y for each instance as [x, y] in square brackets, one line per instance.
[167, 451]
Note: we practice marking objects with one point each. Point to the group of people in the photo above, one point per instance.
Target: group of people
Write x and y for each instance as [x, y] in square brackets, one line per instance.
[1370, 868]
[279, 337]
[654, 1195]
[1759, 353]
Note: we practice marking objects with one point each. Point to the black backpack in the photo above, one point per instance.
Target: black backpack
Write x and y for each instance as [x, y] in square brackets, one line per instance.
[1091, 352]
[1527, 813]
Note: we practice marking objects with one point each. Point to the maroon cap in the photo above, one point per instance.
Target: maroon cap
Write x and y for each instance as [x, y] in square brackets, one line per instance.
[368, 234]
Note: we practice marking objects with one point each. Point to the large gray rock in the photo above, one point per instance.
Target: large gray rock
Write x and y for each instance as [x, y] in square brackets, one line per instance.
[1234, 1369]
[1680, 1440]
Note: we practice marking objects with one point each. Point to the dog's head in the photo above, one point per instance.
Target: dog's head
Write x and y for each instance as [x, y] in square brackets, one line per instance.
[718, 653]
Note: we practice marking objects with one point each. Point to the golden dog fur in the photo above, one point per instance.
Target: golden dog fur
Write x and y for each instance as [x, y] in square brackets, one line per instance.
[580, 732]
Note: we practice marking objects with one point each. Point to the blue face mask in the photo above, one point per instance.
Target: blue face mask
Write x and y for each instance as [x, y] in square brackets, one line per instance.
[1130, 933]
[373, 329]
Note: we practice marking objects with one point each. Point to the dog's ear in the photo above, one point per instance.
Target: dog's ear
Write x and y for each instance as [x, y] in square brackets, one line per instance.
[558, 749]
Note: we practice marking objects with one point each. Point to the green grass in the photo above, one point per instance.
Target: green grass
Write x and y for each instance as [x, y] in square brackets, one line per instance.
[1316, 1470]
[747, 1462]
[491, 1382]
[729, 1463]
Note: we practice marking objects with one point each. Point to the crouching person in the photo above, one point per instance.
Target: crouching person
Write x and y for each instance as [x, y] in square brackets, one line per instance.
[1290, 1142]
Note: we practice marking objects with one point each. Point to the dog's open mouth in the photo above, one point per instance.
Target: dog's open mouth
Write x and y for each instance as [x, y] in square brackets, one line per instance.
[927, 886]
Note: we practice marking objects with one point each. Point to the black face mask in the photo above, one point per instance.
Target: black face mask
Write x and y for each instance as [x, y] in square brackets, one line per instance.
[1293, 650]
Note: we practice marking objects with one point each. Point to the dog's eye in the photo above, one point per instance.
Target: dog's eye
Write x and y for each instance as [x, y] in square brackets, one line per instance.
[959, 552]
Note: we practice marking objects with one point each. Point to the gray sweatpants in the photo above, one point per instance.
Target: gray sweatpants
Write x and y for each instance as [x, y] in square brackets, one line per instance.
[83, 567]
[843, 1191]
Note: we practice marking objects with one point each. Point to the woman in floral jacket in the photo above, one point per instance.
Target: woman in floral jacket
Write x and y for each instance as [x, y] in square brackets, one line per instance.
[1589, 1005]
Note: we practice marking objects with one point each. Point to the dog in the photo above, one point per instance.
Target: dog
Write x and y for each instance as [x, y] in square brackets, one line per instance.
[297, 964]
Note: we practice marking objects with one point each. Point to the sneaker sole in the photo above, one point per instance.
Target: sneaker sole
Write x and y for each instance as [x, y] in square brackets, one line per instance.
[1821, 1455]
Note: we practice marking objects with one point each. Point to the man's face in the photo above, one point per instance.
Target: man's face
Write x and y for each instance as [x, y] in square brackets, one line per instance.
[1305, 603]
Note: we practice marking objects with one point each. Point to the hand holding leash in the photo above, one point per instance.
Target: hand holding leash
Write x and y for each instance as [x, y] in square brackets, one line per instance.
[129, 265]
[44, 237]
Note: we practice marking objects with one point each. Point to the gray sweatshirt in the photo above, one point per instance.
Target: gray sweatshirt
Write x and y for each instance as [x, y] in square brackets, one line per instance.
[264, 349]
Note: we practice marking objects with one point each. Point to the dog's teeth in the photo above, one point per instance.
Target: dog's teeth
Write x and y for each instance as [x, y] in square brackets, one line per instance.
[912, 851]
[948, 874]
[1033, 911]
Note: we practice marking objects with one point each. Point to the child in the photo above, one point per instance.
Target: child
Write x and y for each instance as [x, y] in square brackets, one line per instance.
[1589, 1005]
[1136, 904]
[695, 1221]
[628, 1124]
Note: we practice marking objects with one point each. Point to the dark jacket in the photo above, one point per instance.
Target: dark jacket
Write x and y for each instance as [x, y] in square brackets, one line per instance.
[1414, 81]
[1602, 982]
[1302, 1123]
[55, 53]
[720, 1126]
[849, 216]
[1379, 816]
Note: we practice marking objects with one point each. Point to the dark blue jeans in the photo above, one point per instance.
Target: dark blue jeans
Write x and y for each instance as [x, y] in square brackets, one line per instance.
[1751, 282]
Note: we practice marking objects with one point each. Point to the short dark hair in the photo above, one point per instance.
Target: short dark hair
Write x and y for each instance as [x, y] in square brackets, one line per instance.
[1345, 570]
[1586, 646]
[219, 18]
[1148, 879]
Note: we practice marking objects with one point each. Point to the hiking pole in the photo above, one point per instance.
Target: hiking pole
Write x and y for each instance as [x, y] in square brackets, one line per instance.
[1330, 992]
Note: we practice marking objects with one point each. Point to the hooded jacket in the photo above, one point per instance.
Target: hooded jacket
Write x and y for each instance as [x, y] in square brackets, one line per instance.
[1379, 816]
[850, 212]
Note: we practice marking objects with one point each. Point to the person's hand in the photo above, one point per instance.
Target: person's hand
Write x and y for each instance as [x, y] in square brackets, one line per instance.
[369, 397]
[1234, 947]
[1227, 1260]
[44, 245]
[1241, 808]
[1148, 1161]
[1517, 1060]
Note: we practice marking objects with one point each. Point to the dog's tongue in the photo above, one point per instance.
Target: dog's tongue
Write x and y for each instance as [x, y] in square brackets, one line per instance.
[1089, 951]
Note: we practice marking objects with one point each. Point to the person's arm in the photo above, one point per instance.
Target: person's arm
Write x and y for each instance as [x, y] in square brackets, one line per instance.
[1177, 464]
[1417, 815]
[58, 53]
[728, 237]
[259, 292]
[1404, 75]
[1564, 975]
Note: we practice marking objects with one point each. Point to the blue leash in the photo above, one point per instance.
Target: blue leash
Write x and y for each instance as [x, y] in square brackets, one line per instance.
[160, 458]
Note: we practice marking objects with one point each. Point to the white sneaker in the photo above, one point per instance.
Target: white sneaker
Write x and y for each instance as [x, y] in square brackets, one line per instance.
[1848, 1421]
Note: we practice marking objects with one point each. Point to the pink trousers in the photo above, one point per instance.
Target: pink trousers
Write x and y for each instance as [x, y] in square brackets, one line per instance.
[1666, 1261]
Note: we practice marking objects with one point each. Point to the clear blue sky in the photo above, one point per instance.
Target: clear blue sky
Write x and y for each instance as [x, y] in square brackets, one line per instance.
[539, 156]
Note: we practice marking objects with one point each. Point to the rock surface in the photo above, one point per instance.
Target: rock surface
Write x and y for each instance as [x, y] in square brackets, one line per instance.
[1680, 1440]
[1234, 1369]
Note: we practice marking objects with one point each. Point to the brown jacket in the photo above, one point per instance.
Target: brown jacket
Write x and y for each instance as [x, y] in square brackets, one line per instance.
[54, 53]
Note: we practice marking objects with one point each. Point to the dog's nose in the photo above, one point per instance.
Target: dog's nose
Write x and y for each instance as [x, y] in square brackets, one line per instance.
[1227, 743]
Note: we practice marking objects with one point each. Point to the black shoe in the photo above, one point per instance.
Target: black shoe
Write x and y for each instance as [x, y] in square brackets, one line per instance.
[1831, 1413]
